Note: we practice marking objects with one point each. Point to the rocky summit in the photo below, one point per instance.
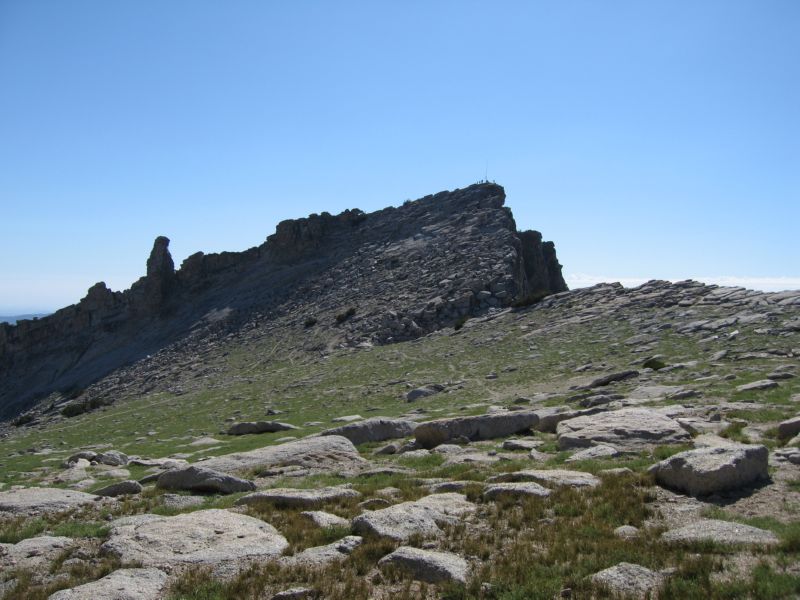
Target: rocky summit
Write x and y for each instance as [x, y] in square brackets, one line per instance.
[403, 404]
[387, 276]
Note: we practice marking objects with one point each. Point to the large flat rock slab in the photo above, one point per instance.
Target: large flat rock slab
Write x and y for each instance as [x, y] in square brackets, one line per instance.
[515, 490]
[34, 553]
[626, 580]
[203, 479]
[479, 427]
[628, 429]
[330, 452]
[553, 477]
[299, 498]
[421, 517]
[427, 565]
[320, 556]
[38, 501]
[204, 537]
[721, 532]
[124, 584]
[376, 429]
[251, 427]
[710, 470]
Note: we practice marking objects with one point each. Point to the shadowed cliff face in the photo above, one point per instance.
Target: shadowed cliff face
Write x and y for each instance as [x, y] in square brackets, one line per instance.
[406, 271]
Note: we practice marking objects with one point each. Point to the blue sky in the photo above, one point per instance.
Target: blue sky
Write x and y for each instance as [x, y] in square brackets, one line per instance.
[656, 139]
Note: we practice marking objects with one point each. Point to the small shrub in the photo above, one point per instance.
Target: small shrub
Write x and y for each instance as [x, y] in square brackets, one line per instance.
[654, 363]
[310, 322]
[460, 322]
[22, 420]
[74, 409]
[342, 317]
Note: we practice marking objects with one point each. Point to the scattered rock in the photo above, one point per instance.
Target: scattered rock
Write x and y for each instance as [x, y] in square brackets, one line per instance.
[376, 429]
[789, 428]
[599, 452]
[481, 427]
[200, 537]
[763, 384]
[180, 501]
[401, 521]
[629, 581]
[721, 532]
[521, 444]
[249, 427]
[299, 498]
[424, 392]
[347, 419]
[325, 519]
[426, 565]
[37, 501]
[123, 584]
[296, 593]
[553, 477]
[120, 489]
[611, 378]
[320, 556]
[202, 479]
[331, 452]
[626, 532]
[630, 429]
[496, 491]
[714, 469]
[34, 553]
[113, 458]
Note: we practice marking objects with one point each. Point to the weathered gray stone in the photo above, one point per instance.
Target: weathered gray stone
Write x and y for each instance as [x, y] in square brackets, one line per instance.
[320, 556]
[201, 479]
[296, 593]
[549, 418]
[611, 378]
[123, 584]
[516, 444]
[626, 532]
[629, 581]
[424, 391]
[36, 501]
[324, 519]
[480, 427]
[789, 428]
[721, 532]
[630, 429]
[200, 537]
[715, 469]
[87, 455]
[180, 501]
[120, 488]
[113, 458]
[299, 498]
[599, 452]
[496, 491]
[331, 452]
[34, 553]
[401, 521]
[426, 565]
[552, 477]
[763, 384]
[251, 427]
[376, 429]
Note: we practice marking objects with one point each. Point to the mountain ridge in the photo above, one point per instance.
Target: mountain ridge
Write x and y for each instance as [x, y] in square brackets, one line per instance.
[405, 270]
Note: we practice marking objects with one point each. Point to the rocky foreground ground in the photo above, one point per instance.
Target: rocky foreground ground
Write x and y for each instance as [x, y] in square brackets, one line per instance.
[605, 442]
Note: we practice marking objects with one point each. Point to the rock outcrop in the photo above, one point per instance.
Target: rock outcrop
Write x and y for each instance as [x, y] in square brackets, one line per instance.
[401, 272]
